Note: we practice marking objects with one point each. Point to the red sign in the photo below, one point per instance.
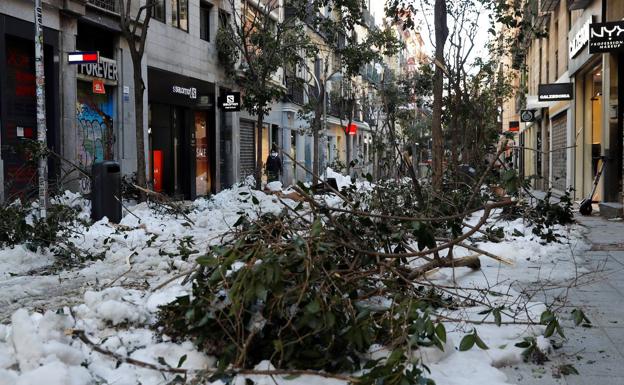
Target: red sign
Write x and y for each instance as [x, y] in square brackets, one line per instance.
[98, 86]
[514, 125]
[158, 164]
[351, 129]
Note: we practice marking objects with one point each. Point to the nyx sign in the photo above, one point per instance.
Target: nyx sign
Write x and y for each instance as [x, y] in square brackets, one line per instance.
[230, 101]
[606, 37]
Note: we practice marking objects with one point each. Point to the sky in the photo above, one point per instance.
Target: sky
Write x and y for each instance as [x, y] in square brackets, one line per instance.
[377, 9]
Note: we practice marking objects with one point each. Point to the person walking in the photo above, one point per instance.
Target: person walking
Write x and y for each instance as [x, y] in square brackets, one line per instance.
[273, 166]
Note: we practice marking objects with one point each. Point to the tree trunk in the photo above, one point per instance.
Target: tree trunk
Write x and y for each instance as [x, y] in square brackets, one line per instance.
[316, 129]
[259, 124]
[139, 90]
[441, 33]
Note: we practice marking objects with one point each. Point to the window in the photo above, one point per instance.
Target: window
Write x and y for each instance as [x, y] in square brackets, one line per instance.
[204, 20]
[159, 10]
[224, 19]
[179, 14]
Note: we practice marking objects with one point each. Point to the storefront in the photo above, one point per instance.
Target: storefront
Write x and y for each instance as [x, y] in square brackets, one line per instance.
[18, 106]
[608, 38]
[586, 70]
[181, 121]
[96, 90]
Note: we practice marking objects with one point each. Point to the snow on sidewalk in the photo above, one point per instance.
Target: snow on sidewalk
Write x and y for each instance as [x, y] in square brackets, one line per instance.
[112, 302]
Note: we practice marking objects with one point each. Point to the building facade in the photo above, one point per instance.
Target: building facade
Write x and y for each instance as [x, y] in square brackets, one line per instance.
[193, 147]
[569, 83]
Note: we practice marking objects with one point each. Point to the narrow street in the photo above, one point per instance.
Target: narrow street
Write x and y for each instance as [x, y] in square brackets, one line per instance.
[596, 353]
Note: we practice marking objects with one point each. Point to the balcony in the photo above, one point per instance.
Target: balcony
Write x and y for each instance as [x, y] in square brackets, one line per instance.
[548, 5]
[295, 90]
[106, 5]
[578, 4]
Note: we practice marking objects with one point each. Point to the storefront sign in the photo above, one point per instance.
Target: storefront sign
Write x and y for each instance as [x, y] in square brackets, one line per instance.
[191, 92]
[230, 101]
[105, 69]
[82, 57]
[554, 92]
[527, 116]
[351, 129]
[98, 86]
[606, 37]
[514, 126]
[580, 39]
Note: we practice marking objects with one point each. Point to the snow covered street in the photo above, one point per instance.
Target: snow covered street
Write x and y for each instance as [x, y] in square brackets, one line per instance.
[115, 300]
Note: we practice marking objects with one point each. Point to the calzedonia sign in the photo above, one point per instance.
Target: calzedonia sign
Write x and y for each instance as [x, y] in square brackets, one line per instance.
[554, 92]
[606, 37]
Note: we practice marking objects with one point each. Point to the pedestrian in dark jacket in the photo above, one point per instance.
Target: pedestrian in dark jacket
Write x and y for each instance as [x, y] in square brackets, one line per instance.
[273, 166]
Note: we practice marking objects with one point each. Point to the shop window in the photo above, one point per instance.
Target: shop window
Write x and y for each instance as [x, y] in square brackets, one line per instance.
[159, 10]
[204, 20]
[179, 14]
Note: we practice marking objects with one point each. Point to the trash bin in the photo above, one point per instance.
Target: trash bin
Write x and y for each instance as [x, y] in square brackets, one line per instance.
[106, 191]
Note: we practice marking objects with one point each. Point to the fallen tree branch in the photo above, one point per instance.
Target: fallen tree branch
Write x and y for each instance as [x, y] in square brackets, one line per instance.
[167, 369]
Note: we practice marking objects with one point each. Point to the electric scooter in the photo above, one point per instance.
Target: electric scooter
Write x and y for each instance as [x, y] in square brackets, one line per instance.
[586, 204]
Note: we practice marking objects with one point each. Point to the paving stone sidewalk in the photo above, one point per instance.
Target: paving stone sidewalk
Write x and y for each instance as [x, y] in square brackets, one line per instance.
[597, 353]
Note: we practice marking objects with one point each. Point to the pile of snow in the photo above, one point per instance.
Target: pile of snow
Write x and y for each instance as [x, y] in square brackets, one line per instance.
[114, 302]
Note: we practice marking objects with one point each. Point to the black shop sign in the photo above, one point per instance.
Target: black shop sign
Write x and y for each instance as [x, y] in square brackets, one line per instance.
[606, 37]
[230, 101]
[554, 92]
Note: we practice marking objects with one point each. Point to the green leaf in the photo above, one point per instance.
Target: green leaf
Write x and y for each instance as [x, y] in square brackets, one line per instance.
[207, 260]
[162, 361]
[467, 342]
[255, 200]
[550, 329]
[395, 357]
[546, 317]
[440, 331]
[181, 361]
[316, 228]
[497, 316]
[313, 307]
[480, 342]
[568, 369]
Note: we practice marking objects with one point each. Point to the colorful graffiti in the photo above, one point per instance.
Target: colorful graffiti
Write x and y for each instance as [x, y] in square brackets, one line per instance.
[95, 134]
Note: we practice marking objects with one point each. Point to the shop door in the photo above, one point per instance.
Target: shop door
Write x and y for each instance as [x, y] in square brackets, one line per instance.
[247, 148]
[203, 146]
[162, 148]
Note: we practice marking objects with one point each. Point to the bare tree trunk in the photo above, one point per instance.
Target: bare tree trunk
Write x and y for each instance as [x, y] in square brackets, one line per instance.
[316, 129]
[441, 33]
[259, 124]
[139, 90]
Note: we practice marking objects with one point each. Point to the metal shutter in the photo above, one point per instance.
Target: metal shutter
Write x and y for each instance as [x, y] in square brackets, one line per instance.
[559, 154]
[247, 148]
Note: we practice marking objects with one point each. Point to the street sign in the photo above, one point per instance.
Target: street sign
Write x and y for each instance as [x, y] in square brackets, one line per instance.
[82, 57]
[527, 116]
[606, 37]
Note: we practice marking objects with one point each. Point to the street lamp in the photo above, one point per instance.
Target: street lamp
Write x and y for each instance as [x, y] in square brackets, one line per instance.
[337, 76]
